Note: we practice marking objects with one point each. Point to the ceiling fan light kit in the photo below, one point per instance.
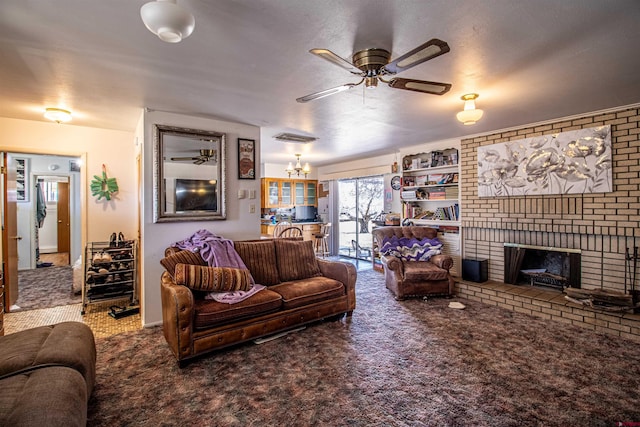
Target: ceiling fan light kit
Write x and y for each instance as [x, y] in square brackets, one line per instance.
[170, 22]
[470, 115]
[373, 64]
[57, 115]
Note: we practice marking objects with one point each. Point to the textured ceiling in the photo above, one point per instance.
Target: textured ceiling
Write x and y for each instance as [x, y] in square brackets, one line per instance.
[248, 60]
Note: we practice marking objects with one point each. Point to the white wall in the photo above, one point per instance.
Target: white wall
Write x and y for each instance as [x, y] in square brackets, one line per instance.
[240, 224]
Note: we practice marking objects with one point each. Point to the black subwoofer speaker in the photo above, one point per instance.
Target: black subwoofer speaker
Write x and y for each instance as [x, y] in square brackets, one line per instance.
[475, 270]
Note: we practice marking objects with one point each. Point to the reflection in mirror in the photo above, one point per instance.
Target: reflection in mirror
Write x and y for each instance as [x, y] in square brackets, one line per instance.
[189, 174]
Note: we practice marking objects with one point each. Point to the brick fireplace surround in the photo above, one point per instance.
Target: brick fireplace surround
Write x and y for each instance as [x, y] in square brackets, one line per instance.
[601, 225]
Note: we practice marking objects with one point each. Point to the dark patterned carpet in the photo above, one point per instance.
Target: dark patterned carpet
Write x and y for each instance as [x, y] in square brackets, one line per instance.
[46, 287]
[411, 363]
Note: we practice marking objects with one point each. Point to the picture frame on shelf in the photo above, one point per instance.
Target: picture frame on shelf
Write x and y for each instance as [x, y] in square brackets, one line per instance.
[246, 158]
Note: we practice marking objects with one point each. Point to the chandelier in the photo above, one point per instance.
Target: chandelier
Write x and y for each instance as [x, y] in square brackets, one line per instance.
[298, 169]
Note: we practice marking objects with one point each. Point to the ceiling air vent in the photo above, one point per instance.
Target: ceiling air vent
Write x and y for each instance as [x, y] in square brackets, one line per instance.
[292, 137]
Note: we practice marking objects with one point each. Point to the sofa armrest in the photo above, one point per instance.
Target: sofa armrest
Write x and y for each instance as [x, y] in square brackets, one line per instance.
[344, 272]
[177, 316]
[443, 261]
[392, 263]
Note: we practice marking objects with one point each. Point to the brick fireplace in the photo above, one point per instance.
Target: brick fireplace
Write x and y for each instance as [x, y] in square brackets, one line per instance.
[599, 225]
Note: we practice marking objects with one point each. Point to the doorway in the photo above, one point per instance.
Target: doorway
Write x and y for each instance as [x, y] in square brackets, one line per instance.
[360, 200]
[44, 191]
[53, 245]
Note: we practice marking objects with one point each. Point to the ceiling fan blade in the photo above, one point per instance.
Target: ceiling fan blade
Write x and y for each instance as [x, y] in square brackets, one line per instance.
[424, 52]
[434, 88]
[327, 92]
[335, 59]
[199, 161]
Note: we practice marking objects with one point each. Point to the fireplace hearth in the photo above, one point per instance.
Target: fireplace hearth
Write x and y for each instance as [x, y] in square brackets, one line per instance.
[551, 267]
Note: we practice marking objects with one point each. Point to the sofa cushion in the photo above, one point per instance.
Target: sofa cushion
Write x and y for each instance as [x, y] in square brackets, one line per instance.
[54, 396]
[411, 249]
[181, 257]
[68, 343]
[296, 260]
[212, 279]
[260, 259]
[307, 291]
[209, 313]
[422, 271]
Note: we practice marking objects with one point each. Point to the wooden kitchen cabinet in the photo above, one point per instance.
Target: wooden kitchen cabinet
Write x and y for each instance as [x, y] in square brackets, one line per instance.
[277, 193]
[308, 230]
[287, 193]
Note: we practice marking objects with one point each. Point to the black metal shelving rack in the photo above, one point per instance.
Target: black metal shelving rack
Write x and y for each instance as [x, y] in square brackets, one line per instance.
[110, 272]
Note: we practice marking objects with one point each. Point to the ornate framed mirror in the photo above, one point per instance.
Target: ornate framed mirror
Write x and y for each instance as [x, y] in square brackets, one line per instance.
[189, 174]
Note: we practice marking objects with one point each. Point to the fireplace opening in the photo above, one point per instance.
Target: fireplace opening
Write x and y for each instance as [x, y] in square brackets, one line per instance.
[557, 268]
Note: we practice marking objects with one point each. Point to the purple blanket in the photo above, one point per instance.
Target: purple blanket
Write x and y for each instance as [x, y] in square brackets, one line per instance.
[215, 250]
[218, 252]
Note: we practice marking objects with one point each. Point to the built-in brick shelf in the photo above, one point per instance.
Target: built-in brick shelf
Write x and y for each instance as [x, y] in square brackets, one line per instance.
[550, 304]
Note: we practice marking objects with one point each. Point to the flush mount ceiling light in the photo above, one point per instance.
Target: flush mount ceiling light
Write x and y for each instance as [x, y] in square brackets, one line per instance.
[298, 169]
[470, 115]
[292, 137]
[57, 115]
[167, 20]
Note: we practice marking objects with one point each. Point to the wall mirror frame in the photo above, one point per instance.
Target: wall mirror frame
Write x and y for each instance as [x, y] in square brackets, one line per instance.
[189, 168]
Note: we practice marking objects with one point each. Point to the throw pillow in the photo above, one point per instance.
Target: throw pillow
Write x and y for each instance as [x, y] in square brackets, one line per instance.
[212, 279]
[260, 259]
[296, 259]
[181, 257]
[411, 249]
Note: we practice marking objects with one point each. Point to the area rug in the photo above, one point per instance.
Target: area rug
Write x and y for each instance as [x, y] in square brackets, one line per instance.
[409, 363]
[46, 287]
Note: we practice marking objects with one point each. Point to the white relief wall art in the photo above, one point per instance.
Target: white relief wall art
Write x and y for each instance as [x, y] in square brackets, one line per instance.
[571, 162]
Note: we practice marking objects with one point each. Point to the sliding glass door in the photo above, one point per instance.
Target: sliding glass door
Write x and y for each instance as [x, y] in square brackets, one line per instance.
[360, 201]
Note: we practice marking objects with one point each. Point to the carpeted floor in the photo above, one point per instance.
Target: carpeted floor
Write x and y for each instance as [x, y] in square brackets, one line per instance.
[411, 363]
[46, 287]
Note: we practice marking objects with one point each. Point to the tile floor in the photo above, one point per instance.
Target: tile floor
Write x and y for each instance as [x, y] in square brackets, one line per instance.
[96, 317]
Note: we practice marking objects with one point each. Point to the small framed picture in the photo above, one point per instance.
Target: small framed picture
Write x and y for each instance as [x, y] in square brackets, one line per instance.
[74, 165]
[246, 158]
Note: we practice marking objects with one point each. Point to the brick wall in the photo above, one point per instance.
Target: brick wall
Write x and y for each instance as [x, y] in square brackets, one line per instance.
[602, 225]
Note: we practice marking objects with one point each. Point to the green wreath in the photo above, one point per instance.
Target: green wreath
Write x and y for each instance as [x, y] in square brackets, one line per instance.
[103, 187]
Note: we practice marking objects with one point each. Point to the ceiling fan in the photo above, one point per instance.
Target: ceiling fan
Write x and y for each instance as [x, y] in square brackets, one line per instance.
[373, 64]
[206, 154]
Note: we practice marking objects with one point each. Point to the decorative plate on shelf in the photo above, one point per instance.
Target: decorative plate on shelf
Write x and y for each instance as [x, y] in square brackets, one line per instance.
[396, 182]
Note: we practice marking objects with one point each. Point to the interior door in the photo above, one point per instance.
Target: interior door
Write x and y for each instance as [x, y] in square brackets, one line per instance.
[9, 233]
[64, 220]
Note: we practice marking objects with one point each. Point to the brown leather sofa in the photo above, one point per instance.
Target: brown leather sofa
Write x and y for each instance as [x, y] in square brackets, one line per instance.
[414, 278]
[300, 289]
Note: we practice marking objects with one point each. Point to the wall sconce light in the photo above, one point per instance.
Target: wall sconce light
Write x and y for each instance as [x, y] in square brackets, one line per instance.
[170, 22]
[298, 169]
[470, 115]
[57, 115]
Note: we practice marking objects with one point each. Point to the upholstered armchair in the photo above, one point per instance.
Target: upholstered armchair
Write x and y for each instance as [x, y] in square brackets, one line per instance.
[407, 273]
